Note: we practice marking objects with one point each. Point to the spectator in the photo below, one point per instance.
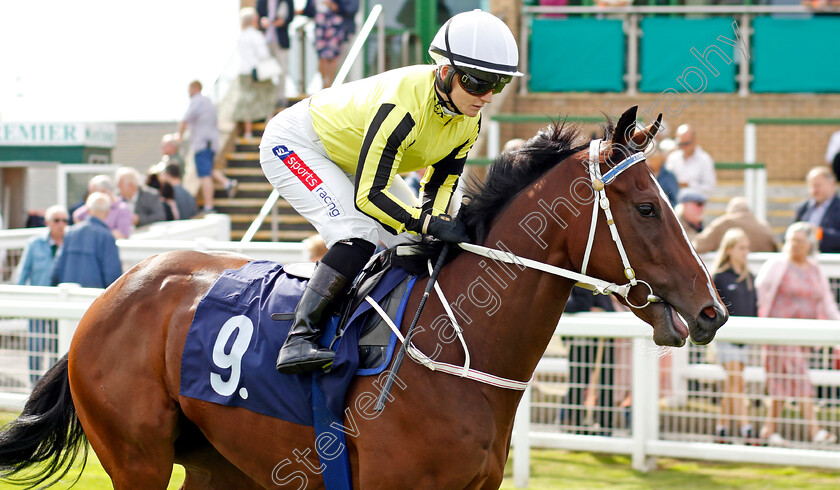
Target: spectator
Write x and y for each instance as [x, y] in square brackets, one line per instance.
[89, 256]
[667, 180]
[201, 119]
[185, 201]
[119, 219]
[832, 153]
[170, 146]
[735, 284]
[167, 201]
[737, 215]
[690, 211]
[793, 286]
[36, 263]
[275, 17]
[143, 203]
[333, 26]
[315, 248]
[822, 210]
[256, 98]
[35, 268]
[693, 167]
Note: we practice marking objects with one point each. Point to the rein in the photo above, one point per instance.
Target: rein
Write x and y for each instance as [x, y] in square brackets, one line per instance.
[597, 286]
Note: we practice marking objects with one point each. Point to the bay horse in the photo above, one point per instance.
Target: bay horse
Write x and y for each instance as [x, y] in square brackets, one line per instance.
[118, 387]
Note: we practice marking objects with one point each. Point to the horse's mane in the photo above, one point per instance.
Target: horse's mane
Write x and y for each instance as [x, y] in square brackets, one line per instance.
[510, 173]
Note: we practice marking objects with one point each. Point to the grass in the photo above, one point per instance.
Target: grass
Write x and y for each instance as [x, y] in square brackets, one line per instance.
[552, 469]
[95, 478]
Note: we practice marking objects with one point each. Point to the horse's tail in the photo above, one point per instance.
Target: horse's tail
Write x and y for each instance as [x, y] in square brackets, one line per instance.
[47, 433]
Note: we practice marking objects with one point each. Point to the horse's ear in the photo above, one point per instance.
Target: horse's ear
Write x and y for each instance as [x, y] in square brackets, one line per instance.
[621, 135]
[642, 138]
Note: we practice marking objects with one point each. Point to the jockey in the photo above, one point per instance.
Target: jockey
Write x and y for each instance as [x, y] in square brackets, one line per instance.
[335, 157]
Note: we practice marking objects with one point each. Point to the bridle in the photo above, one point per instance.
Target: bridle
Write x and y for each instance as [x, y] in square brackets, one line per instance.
[599, 185]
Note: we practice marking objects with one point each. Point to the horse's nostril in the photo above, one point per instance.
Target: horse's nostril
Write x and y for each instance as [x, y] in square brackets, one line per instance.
[710, 312]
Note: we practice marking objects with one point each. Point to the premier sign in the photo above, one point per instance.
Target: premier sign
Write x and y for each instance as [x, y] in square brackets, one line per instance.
[57, 134]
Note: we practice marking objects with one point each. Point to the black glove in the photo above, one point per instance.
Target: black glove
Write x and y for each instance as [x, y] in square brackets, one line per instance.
[446, 228]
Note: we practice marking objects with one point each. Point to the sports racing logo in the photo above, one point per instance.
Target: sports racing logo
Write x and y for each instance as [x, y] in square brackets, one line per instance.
[310, 179]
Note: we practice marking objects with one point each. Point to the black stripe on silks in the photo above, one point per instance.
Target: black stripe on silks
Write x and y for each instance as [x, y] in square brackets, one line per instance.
[386, 163]
[448, 165]
[372, 131]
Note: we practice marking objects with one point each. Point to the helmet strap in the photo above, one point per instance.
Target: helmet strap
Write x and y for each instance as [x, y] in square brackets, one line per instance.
[447, 82]
[444, 86]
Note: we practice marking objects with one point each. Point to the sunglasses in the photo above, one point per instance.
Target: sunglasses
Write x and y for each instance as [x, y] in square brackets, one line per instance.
[686, 143]
[59, 220]
[481, 85]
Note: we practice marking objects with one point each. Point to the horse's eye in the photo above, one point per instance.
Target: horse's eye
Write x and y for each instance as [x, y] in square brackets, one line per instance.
[646, 210]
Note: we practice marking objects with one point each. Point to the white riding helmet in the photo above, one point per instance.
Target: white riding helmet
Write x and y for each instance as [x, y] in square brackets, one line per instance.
[477, 40]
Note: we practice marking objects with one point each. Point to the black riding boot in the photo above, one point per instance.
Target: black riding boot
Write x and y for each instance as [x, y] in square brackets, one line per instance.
[301, 352]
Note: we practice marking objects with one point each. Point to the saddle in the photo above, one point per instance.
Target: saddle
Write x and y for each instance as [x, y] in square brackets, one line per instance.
[375, 333]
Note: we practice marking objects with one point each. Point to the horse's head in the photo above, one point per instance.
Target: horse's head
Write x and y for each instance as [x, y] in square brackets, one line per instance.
[538, 201]
[657, 249]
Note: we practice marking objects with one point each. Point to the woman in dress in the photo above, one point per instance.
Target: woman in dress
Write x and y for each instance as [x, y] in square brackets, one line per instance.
[792, 286]
[333, 26]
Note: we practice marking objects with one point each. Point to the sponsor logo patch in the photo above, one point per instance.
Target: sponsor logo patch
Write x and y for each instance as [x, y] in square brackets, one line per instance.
[309, 179]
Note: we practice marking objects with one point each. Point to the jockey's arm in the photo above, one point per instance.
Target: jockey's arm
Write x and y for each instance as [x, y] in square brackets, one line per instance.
[387, 136]
[440, 180]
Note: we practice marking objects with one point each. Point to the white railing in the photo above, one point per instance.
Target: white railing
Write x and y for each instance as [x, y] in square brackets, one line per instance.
[644, 441]
[19, 307]
[211, 234]
[213, 226]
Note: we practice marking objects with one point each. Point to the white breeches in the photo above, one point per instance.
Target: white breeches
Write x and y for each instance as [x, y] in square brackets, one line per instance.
[295, 162]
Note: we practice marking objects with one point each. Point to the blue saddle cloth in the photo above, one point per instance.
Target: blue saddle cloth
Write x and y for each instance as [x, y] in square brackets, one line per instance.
[231, 348]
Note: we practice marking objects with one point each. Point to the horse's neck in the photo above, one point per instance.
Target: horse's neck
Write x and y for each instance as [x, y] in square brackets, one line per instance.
[517, 308]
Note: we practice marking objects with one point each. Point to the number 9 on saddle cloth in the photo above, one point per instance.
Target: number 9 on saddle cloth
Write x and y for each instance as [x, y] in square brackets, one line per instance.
[230, 350]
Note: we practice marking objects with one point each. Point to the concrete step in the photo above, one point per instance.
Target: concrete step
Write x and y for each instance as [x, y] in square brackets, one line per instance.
[265, 235]
[283, 219]
[243, 156]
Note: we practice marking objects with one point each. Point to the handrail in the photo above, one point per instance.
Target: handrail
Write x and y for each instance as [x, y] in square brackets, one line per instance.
[339, 79]
[718, 165]
[225, 75]
[357, 45]
[739, 166]
[679, 9]
[794, 121]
